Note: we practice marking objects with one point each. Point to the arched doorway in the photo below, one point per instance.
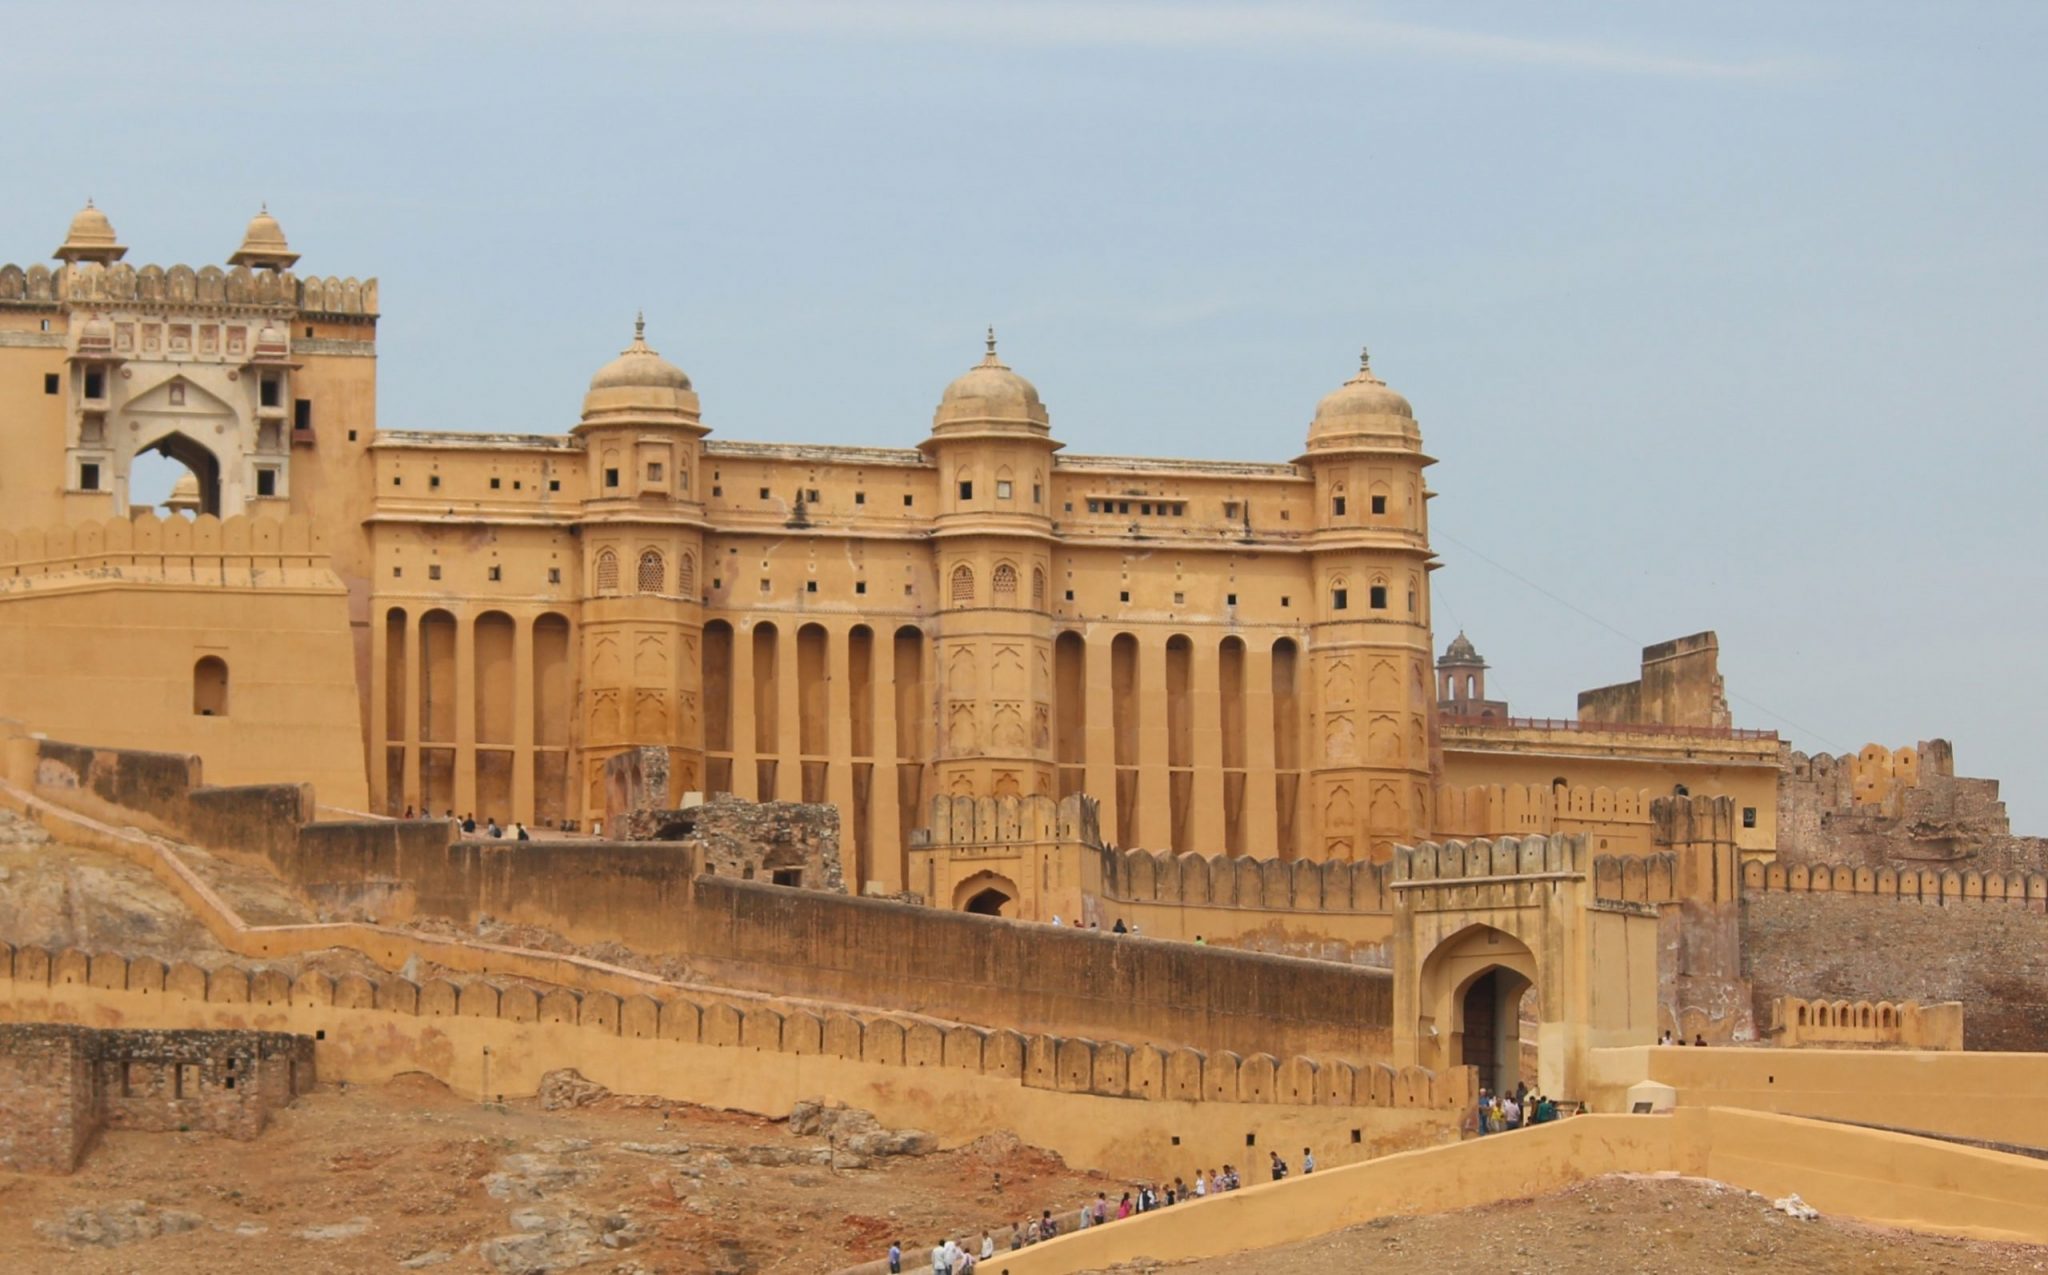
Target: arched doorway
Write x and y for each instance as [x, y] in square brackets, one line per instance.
[1489, 1036]
[986, 894]
[156, 468]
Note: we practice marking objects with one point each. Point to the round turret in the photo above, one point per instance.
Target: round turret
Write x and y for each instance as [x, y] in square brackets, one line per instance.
[1363, 412]
[263, 244]
[990, 395]
[91, 238]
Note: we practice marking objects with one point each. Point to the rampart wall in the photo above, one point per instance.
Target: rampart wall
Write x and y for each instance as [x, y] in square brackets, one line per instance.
[1871, 935]
[1796, 1022]
[1076, 1095]
[1903, 808]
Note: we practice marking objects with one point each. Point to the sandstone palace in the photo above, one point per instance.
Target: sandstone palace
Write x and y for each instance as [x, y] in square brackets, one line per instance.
[1230, 657]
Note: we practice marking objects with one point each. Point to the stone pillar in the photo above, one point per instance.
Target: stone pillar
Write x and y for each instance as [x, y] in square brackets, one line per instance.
[522, 719]
[789, 769]
[379, 763]
[1099, 734]
[465, 713]
[744, 781]
[1261, 816]
[1205, 816]
[1155, 797]
[891, 856]
[839, 746]
[415, 652]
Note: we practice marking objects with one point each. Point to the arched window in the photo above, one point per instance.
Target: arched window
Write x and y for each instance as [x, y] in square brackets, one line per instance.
[963, 585]
[1337, 500]
[607, 571]
[653, 572]
[210, 687]
[1038, 588]
[1005, 584]
[686, 575]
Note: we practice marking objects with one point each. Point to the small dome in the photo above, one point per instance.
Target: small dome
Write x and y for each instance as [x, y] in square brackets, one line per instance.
[990, 392]
[97, 333]
[184, 494]
[1362, 405]
[639, 367]
[263, 244]
[1460, 651]
[91, 238]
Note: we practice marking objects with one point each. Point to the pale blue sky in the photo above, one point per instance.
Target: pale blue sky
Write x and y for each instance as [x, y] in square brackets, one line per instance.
[1718, 316]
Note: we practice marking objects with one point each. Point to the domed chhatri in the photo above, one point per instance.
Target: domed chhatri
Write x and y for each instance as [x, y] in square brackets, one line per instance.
[990, 394]
[638, 365]
[91, 238]
[263, 244]
[184, 497]
[640, 385]
[1461, 651]
[1361, 410]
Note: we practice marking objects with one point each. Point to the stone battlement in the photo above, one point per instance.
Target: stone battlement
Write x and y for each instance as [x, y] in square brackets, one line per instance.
[181, 286]
[1922, 885]
[1033, 1059]
[243, 551]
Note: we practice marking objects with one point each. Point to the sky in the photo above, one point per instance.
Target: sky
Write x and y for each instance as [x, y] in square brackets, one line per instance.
[1722, 317]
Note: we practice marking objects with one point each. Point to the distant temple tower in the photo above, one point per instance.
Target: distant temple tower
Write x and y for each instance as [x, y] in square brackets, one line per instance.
[1461, 685]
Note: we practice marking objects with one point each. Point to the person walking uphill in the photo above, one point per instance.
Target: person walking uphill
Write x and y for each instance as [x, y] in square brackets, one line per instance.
[895, 1257]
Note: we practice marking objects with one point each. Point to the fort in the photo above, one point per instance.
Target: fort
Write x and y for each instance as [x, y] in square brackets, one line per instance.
[1121, 804]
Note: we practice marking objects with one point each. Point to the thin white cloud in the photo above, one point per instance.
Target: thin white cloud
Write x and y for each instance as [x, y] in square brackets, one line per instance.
[1156, 24]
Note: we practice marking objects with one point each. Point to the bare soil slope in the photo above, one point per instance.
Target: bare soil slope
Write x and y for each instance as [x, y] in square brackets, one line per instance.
[373, 1178]
[1620, 1224]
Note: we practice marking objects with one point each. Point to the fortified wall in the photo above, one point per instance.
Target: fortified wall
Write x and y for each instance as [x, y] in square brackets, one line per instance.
[1931, 935]
[60, 1084]
[1900, 808]
[656, 898]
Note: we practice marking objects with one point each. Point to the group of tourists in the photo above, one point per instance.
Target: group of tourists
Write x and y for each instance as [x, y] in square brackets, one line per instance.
[951, 1257]
[1697, 1039]
[467, 825]
[1499, 1113]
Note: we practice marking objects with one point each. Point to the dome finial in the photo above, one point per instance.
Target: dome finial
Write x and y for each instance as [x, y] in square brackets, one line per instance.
[640, 326]
[1365, 358]
[991, 338]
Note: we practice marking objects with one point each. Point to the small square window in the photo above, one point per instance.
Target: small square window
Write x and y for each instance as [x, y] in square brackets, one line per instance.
[1123, 506]
[860, 586]
[1094, 507]
[907, 500]
[517, 485]
[1177, 508]
[764, 493]
[765, 585]
[89, 477]
[1002, 489]
[810, 586]
[1070, 595]
[654, 471]
[860, 498]
[497, 572]
[351, 436]
[967, 491]
[433, 480]
[1069, 508]
[1749, 816]
[611, 476]
[398, 573]
[1145, 510]
[717, 490]
[1378, 597]
[495, 484]
[1285, 516]
[309, 332]
[267, 392]
[1340, 599]
[1230, 599]
[1286, 601]
[1124, 596]
[909, 590]
[554, 484]
[1180, 599]
[1379, 504]
[95, 385]
[302, 413]
[1230, 509]
[434, 571]
[554, 575]
[811, 496]
[266, 482]
[716, 584]
[1037, 495]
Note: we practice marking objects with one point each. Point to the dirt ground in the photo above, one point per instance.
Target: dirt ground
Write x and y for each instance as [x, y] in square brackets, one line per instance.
[409, 1176]
[1620, 1224]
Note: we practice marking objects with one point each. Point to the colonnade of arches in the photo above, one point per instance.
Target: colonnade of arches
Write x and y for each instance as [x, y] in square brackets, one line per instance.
[473, 712]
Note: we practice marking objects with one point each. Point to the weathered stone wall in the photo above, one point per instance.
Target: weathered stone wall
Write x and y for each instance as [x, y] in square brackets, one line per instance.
[1991, 956]
[787, 842]
[60, 1084]
[1896, 808]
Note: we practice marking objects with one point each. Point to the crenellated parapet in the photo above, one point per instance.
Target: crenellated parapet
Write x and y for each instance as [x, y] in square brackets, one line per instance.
[967, 822]
[1193, 880]
[1035, 1060]
[1921, 885]
[119, 284]
[243, 551]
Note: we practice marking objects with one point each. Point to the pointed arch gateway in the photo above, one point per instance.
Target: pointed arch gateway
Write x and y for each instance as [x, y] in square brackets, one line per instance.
[1480, 975]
